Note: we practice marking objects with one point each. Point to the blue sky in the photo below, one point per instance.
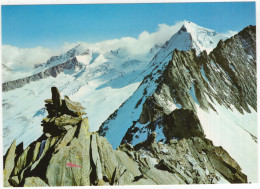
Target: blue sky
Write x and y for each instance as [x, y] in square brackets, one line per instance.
[52, 25]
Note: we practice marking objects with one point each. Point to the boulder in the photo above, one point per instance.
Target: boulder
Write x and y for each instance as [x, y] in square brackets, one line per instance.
[34, 182]
[182, 123]
[128, 163]
[66, 120]
[9, 163]
[107, 157]
[95, 159]
[14, 181]
[70, 165]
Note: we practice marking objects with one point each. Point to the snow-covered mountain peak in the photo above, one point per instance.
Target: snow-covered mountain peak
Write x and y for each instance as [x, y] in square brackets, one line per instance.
[190, 36]
[55, 60]
[202, 38]
[79, 49]
[190, 26]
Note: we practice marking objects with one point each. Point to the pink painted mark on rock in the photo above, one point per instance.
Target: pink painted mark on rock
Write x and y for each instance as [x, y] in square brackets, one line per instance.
[73, 165]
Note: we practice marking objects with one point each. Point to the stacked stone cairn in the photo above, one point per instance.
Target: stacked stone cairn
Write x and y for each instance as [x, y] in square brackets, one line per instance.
[63, 114]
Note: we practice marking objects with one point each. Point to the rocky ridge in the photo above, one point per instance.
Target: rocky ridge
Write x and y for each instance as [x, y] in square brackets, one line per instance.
[53, 71]
[67, 154]
[186, 81]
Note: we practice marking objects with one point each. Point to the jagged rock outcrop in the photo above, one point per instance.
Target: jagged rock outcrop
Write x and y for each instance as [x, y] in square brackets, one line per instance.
[67, 154]
[53, 71]
[191, 161]
[180, 123]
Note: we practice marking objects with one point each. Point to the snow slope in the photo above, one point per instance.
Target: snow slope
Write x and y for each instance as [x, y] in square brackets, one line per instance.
[225, 128]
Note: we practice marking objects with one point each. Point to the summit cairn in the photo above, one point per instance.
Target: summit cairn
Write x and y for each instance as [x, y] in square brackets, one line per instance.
[63, 114]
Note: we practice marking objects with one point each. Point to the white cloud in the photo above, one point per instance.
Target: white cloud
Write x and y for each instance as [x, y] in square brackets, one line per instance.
[21, 60]
[140, 45]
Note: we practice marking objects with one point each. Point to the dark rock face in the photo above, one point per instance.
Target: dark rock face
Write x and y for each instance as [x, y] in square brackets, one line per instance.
[237, 57]
[67, 154]
[50, 72]
[182, 123]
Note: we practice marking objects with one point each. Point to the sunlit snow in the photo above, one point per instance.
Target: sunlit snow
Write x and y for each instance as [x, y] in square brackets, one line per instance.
[231, 130]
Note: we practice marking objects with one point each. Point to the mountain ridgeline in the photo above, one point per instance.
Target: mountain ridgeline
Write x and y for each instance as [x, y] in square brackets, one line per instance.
[53, 71]
[227, 76]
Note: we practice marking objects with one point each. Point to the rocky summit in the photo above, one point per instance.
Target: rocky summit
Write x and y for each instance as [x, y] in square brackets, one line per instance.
[68, 154]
